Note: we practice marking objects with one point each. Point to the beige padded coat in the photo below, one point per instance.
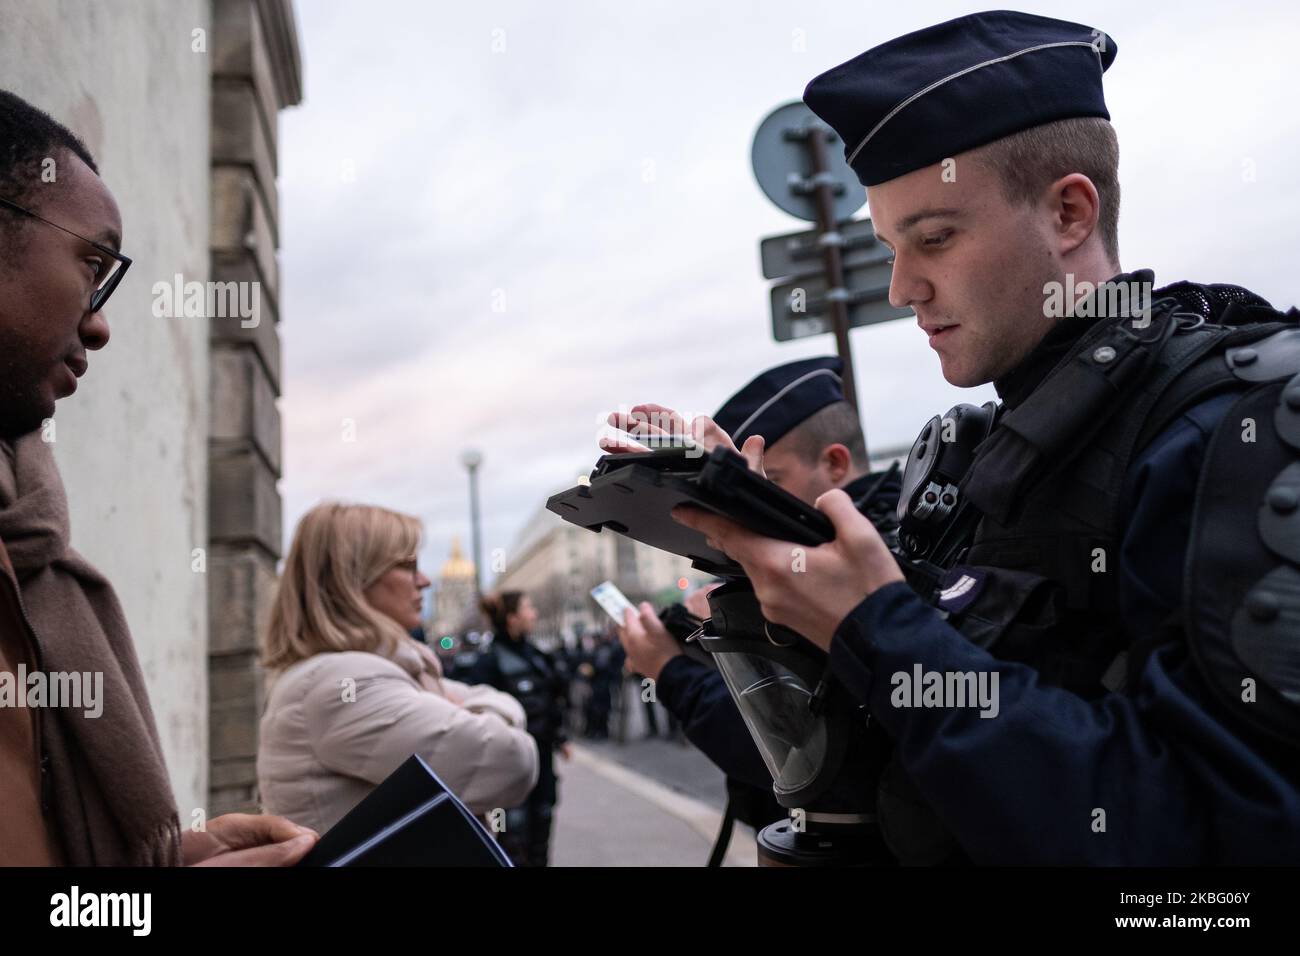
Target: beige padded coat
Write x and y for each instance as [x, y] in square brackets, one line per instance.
[337, 724]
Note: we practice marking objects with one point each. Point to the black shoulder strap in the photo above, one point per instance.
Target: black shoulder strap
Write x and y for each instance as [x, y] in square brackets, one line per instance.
[1083, 394]
[1212, 375]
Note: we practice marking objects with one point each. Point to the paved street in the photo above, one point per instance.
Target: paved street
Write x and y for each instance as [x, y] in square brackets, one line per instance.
[609, 815]
[669, 760]
[647, 802]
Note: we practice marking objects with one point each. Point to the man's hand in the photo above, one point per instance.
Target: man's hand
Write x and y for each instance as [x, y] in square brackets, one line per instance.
[809, 590]
[247, 839]
[648, 644]
[697, 602]
[659, 421]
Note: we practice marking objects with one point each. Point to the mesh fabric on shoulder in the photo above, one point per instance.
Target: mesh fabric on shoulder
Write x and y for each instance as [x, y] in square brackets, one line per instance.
[1210, 301]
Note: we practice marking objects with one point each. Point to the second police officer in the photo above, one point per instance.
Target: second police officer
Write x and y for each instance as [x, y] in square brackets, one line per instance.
[815, 442]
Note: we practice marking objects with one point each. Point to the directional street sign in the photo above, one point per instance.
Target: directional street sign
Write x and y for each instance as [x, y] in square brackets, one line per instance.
[800, 253]
[801, 305]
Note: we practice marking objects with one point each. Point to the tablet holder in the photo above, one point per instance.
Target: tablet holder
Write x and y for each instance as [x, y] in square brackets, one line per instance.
[812, 735]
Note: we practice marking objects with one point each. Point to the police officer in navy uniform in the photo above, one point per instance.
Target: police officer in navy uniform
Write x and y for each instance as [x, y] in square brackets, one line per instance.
[1113, 548]
[540, 681]
[604, 667]
[814, 442]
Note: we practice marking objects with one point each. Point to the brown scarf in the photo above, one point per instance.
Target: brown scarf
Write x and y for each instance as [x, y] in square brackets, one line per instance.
[112, 801]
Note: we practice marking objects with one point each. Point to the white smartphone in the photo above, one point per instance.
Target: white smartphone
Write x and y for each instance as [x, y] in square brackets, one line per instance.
[614, 602]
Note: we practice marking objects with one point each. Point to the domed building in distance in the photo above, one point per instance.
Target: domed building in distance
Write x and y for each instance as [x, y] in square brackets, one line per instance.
[455, 608]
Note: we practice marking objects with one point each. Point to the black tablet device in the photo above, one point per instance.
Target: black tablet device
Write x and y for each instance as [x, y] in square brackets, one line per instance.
[633, 494]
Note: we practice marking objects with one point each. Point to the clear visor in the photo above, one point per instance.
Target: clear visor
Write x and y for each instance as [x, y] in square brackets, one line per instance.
[773, 700]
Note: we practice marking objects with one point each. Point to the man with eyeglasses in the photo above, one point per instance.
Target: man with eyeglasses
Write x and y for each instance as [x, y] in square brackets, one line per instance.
[59, 270]
[76, 787]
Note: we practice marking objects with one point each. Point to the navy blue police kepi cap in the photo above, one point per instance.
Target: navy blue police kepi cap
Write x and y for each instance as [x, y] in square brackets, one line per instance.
[781, 398]
[932, 94]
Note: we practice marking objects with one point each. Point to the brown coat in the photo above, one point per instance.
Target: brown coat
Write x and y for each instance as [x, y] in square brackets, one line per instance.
[26, 839]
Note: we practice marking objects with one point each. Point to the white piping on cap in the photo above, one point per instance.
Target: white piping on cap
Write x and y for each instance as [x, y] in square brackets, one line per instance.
[777, 397]
[937, 83]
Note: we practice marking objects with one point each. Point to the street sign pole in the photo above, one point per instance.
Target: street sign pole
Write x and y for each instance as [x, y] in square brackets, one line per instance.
[830, 240]
[797, 171]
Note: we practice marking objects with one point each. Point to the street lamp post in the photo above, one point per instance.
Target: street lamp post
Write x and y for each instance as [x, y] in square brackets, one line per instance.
[471, 459]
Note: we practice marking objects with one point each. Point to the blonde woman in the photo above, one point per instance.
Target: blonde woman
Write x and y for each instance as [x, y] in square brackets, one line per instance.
[351, 695]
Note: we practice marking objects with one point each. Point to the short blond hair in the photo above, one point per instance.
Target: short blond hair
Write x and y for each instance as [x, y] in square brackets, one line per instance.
[836, 424]
[1031, 160]
[338, 551]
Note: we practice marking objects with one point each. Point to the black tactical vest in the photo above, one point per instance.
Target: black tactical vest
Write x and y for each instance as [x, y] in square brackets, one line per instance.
[1042, 496]
[1047, 482]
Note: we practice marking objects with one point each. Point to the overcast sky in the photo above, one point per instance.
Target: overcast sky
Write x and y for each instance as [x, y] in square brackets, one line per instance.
[501, 219]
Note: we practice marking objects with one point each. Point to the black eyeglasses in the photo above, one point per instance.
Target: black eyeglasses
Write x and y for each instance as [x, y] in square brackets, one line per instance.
[107, 282]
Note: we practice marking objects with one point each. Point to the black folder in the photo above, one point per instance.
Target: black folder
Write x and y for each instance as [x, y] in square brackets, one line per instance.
[411, 819]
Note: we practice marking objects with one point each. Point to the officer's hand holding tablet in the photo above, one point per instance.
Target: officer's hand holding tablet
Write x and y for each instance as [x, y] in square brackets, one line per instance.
[832, 579]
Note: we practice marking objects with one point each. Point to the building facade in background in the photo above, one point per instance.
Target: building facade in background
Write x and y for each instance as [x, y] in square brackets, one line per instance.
[170, 449]
[558, 564]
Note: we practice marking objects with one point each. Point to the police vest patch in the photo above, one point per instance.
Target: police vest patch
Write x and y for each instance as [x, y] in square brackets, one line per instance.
[959, 587]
